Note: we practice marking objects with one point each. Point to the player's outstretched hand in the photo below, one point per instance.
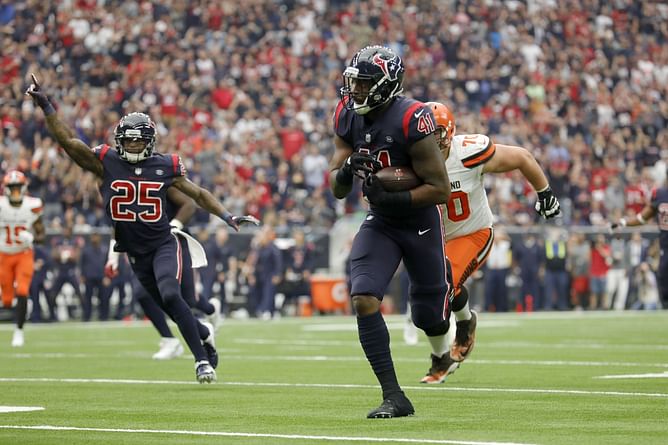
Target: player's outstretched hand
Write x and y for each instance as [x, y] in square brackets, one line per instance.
[547, 204]
[237, 221]
[39, 97]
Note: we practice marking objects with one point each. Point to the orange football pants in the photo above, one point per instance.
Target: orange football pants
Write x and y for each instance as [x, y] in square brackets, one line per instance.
[16, 271]
[467, 253]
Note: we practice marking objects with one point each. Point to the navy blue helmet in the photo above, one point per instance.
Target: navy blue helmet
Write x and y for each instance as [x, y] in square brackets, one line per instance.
[135, 127]
[374, 76]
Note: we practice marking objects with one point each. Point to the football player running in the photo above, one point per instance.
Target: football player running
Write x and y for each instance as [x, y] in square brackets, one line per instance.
[375, 126]
[468, 219]
[133, 183]
[180, 209]
[20, 225]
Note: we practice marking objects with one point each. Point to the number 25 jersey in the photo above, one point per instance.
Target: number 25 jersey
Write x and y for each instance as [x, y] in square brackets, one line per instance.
[467, 210]
[135, 198]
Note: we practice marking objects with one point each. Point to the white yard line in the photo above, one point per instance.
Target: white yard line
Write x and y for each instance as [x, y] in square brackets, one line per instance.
[226, 354]
[492, 344]
[662, 375]
[336, 386]
[19, 409]
[265, 435]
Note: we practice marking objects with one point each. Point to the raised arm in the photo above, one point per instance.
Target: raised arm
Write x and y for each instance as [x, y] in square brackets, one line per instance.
[208, 202]
[76, 149]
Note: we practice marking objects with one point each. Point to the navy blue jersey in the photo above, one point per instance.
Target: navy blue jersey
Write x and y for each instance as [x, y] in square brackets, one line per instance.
[389, 137]
[135, 198]
[660, 205]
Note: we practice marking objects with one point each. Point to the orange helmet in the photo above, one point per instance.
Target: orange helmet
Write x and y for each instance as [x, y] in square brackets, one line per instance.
[15, 185]
[445, 124]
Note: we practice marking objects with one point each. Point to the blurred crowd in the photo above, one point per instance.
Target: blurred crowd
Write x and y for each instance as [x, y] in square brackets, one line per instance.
[244, 91]
[268, 279]
[557, 270]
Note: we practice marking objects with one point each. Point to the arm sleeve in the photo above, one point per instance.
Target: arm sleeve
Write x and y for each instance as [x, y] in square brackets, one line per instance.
[178, 169]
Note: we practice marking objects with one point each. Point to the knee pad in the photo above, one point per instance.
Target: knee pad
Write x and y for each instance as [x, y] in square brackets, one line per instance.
[439, 329]
[460, 299]
[364, 285]
[170, 289]
[430, 317]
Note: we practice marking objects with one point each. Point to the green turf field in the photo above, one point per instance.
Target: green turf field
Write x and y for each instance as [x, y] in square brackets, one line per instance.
[553, 378]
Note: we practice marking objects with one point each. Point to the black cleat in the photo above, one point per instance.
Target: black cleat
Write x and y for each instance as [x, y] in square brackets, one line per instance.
[464, 338]
[396, 405]
[441, 367]
[204, 372]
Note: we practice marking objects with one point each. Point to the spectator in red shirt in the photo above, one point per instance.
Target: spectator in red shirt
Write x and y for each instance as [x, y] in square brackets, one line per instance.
[600, 263]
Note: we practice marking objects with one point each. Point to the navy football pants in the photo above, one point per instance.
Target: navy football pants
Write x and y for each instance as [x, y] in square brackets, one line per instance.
[380, 245]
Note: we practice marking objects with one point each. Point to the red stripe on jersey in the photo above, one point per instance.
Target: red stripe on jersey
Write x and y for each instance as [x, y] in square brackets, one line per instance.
[103, 151]
[407, 116]
[175, 163]
[481, 157]
[37, 209]
[339, 107]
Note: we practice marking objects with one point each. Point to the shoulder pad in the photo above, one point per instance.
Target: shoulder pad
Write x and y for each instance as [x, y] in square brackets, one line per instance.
[474, 149]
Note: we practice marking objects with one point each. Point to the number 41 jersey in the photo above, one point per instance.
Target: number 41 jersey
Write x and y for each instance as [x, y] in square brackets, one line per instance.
[135, 198]
[467, 210]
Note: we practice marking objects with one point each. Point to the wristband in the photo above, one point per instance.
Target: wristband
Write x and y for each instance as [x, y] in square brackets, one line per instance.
[48, 109]
[622, 222]
[112, 253]
[343, 177]
[640, 219]
[176, 224]
[543, 189]
[227, 217]
[398, 199]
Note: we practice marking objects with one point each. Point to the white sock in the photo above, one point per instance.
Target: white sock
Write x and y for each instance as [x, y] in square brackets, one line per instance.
[464, 313]
[439, 344]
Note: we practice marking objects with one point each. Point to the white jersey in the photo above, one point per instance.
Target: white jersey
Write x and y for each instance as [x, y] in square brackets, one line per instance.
[14, 220]
[467, 211]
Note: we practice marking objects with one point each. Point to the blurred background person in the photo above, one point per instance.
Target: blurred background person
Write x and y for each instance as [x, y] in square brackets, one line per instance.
[556, 276]
[578, 265]
[598, 271]
[93, 257]
[266, 262]
[499, 263]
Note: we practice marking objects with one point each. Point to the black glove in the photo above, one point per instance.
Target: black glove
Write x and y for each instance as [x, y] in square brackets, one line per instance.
[547, 205]
[355, 163]
[39, 97]
[236, 221]
[375, 193]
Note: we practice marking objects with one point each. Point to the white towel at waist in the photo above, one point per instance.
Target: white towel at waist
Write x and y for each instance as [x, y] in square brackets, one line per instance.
[197, 254]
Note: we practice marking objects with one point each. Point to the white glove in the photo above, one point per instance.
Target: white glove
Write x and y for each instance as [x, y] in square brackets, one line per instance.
[111, 268]
[26, 237]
